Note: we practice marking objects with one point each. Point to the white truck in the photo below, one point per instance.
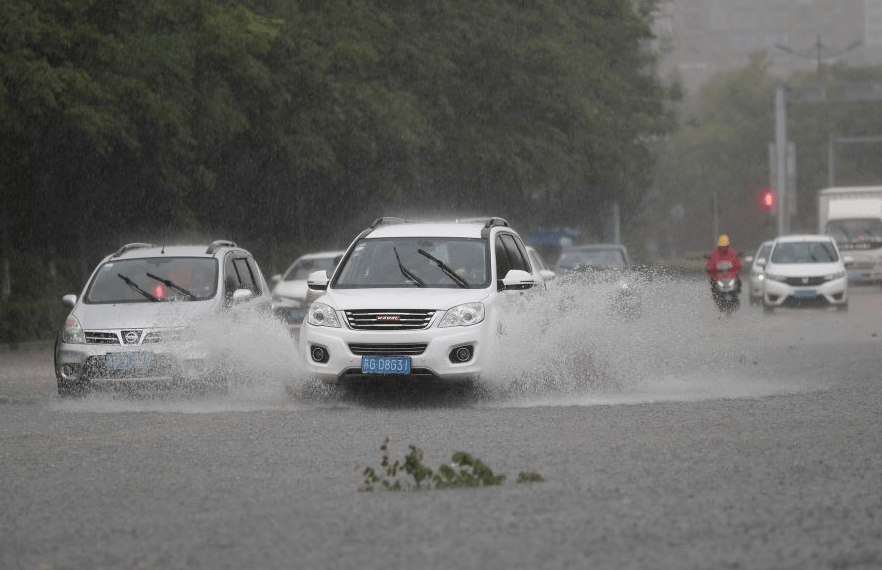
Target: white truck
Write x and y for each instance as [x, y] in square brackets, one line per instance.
[852, 215]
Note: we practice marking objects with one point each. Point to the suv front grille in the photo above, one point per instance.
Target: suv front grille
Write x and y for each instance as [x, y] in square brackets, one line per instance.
[388, 349]
[804, 281]
[389, 320]
[102, 337]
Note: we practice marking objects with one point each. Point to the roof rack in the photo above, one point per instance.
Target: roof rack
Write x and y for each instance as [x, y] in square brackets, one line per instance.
[217, 244]
[487, 221]
[387, 220]
[131, 246]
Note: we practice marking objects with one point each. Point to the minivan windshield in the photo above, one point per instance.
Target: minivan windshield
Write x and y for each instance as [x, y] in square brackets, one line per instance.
[154, 279]
[804, 252]
[408, 262]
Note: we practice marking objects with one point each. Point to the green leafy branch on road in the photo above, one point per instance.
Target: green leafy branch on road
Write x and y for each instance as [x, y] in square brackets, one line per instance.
[464, 470]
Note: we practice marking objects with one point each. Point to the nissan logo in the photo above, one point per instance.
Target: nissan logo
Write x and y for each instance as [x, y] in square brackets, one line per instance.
[131, 337]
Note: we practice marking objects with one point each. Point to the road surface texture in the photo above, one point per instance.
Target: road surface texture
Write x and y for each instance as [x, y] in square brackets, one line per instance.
[678, 440]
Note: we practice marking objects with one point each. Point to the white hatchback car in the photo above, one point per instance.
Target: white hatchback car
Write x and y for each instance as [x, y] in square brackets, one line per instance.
[805, 271]
[134, 322]
[415, 301]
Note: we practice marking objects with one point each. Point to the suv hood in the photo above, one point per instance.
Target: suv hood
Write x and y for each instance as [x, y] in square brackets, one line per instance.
[388, 298]
[141, 315]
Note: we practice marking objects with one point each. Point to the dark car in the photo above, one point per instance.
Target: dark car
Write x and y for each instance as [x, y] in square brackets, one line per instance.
[602, 266]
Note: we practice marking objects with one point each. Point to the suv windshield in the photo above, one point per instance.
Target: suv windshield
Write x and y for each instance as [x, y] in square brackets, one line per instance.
[408, 262]
[804, 252]
[154, 279]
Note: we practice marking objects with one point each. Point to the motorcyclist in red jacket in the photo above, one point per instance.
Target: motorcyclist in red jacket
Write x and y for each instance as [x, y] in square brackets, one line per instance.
[724, 262]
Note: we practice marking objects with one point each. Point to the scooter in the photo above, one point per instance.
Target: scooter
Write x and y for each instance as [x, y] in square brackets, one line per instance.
[725, 288]
[725, 292]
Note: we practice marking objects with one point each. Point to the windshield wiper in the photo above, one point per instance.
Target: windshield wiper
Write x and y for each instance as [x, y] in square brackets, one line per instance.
[170, 283]
[410, 276]
[134, 286]
[446, 269]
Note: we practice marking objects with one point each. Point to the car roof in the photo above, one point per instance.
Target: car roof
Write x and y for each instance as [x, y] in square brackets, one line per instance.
[803, 238]
[143, 250]
[467, 228]
[595, 246]
[321, 254]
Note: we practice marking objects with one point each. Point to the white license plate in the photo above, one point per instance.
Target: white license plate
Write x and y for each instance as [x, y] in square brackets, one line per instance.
[128, 360]
[385, 365]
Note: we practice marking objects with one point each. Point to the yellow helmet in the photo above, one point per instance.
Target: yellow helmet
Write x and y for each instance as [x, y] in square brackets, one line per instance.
[723, 241]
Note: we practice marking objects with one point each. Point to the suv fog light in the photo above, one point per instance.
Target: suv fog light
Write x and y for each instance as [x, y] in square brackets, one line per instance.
[71, 371]
[319, 353]
[461, 354]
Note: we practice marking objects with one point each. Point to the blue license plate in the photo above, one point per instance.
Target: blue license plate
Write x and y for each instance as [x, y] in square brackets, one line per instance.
[128, 360]
[296, 315]
[810, 294]
[385, 365]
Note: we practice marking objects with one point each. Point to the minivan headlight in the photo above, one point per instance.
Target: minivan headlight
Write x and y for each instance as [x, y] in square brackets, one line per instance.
[72, 333]
[322, 315]
[463, 315]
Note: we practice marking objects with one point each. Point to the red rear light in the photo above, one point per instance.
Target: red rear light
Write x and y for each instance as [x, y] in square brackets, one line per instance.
[159, 291]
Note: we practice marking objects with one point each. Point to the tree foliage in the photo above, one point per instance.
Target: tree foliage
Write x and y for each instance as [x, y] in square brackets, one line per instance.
[271, 121]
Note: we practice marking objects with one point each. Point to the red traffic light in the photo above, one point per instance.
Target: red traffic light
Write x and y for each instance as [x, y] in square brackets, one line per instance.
[768, 199]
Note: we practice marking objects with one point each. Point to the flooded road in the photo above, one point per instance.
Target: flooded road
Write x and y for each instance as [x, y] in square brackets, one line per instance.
[679, 439]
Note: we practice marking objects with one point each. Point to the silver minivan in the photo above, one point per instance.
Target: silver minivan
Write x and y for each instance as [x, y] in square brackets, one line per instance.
[133, 323]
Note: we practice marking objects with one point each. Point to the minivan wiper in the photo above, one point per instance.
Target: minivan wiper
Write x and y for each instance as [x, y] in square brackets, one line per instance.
[446, 269]
[170, 283]
[410, 276]
[134, 286]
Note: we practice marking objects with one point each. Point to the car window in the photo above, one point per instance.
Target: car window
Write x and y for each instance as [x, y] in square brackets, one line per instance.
[240, 273]
[516, 253]
[804, 252]
[163, 278]
[398, 262]
[303, 268]
[764, 251]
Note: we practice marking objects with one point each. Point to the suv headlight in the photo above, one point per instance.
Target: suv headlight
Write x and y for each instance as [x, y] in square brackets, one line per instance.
[463, 315]
[322, 315]
[72, 333]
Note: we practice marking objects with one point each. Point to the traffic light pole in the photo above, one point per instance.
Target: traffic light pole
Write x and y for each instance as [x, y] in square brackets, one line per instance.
[781, 159]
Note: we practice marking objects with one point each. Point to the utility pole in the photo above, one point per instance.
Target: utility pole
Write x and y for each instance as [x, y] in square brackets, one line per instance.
[818, 52]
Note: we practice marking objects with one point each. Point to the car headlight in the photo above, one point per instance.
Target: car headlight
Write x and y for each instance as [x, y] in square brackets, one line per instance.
[72, 333]
[773, 277]
[832, 276]
[322, 315]
[463, 315]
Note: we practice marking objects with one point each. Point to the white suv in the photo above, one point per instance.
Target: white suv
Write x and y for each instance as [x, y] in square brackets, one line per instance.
[415, 300]
[134, 321]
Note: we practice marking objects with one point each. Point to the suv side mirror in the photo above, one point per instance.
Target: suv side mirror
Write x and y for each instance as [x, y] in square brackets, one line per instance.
[517, 279]
[240, 295]
[69, 300]
[318, 280]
